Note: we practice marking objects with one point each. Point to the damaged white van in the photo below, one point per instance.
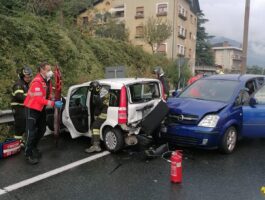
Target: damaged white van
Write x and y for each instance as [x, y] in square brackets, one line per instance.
[136, 106]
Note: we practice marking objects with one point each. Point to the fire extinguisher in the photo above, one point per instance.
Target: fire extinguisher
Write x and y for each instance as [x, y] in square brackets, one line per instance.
[176, 167]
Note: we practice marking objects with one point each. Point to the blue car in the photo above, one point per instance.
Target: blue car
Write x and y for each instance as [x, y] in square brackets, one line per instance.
[215, 111]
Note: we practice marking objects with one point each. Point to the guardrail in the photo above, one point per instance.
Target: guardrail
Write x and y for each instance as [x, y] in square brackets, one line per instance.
[6, 116]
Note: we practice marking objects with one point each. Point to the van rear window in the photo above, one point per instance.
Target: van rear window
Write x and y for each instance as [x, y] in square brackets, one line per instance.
[143, 92]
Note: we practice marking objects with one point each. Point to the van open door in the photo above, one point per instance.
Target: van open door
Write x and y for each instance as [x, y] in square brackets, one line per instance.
[146, 105]
[76, 116]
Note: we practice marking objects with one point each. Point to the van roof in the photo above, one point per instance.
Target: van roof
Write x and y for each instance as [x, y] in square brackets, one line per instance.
[117, 83]
[234, 77]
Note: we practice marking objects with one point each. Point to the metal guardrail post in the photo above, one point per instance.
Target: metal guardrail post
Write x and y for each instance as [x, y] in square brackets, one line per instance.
[6, 116]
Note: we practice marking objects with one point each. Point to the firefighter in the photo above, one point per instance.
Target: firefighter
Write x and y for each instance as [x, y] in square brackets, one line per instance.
[38, 97]
[100, 102]
[19, 92]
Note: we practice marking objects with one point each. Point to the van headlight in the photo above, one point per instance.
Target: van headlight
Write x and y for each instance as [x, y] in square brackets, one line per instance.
[209, 121]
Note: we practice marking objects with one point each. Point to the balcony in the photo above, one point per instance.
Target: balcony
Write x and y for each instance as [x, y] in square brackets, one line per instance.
[161, 14]
[182, 36]
[138, 36]
[181, 54]
[236, 57]
[183, 16]
[139, 15]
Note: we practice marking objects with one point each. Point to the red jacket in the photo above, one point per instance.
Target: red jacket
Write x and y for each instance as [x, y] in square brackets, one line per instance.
[36, 97]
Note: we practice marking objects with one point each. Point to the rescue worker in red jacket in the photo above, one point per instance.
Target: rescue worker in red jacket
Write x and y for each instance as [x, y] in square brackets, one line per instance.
[100, 102]
[20, 89]
[38, 97]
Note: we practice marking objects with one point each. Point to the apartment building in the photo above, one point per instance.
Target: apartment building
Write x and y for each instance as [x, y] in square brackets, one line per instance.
[182, 15]
[229, 57]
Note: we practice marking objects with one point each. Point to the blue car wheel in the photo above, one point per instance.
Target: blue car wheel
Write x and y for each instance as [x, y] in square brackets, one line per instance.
[229, 140]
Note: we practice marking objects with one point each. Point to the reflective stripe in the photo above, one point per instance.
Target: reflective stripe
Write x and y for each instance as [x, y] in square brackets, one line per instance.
[16, 104]
[18, 137]
[96, 132]
[103, 116]
[17, 91]
[35, 94]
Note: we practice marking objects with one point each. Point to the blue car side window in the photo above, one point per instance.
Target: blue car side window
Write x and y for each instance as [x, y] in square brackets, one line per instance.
[260, 96]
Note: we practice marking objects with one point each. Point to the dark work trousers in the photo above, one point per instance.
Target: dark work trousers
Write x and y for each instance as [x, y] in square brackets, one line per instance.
[35, 129]
[20, 120]
[96, 129]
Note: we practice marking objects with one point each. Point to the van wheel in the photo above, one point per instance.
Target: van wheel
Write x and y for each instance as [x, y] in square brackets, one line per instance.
[229, 140]
[113, 139]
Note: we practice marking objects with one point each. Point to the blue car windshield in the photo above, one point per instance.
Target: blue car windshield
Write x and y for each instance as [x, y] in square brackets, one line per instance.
[211, 90]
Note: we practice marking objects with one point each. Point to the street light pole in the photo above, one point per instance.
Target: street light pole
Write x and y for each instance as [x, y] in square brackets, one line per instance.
[245, 38]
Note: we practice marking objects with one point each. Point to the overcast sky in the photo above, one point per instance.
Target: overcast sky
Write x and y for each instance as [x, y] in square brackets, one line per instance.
[226, 18]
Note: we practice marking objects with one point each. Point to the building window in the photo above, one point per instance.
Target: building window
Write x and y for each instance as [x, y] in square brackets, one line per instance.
[162, 48]
[182, 12]
[190, 53]
[139, 32]
[191, 18]
[190, 35]
[85, 21]
[181, 50]
[139, 12]
[162, 9]
[182, 32]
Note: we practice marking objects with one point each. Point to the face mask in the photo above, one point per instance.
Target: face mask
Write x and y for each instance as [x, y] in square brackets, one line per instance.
[49, 75]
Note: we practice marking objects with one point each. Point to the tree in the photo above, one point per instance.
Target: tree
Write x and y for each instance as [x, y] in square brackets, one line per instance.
[43, 7]
[204, 53]
[109, 27]
[156, 31]
[255, 69]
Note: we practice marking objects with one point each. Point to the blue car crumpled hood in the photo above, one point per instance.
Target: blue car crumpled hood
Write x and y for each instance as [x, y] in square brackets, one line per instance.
[191, 106]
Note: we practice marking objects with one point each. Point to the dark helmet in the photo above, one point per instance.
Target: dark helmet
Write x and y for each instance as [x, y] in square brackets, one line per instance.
[95, 87]
[25, 71]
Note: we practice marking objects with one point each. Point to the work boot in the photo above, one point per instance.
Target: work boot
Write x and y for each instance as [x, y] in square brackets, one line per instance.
[32, 160]
[93, 148]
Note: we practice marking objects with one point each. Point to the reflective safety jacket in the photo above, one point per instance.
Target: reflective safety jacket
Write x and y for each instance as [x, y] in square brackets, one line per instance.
[39, 94]
[19, 93]
[101, 106]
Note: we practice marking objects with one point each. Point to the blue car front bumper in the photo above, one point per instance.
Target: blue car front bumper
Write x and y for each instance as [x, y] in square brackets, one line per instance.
[191, 135]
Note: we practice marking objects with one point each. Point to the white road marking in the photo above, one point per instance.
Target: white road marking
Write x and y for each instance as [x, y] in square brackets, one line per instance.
[51, 173]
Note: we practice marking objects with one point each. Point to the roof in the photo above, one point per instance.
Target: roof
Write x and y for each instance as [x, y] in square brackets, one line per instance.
[117, 83]
[234, 77]
[227, 48]
[95, 2]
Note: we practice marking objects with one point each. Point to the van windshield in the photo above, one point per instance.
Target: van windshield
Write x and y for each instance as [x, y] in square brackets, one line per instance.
[211, 90]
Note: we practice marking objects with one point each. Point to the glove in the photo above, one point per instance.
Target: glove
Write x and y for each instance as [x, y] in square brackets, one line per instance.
[58, 104]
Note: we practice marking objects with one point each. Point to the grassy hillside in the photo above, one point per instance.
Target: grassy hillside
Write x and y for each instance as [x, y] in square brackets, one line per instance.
[29, 39]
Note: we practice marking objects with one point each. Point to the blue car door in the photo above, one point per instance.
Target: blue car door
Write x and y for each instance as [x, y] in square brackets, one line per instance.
[254, 116]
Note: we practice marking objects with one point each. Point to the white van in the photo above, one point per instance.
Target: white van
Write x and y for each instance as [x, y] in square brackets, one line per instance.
[131, 102]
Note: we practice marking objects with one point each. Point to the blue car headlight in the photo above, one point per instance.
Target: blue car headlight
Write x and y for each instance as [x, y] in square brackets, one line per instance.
[209, 121]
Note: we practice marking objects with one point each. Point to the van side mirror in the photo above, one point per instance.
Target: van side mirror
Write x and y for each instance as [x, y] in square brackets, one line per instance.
[252, 102]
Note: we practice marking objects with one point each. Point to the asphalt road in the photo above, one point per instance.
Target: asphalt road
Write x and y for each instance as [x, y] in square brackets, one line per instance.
[130, 175]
